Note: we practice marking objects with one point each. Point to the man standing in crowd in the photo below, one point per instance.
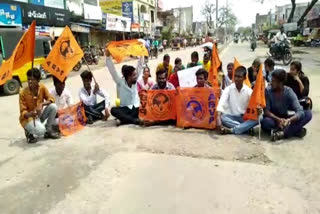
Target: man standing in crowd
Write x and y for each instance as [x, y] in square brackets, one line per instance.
[194, 60]
[88, 96]
[36, 107]
[233, 104]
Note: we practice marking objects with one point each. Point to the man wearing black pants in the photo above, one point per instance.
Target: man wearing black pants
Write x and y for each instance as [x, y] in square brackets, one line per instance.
[128, 112]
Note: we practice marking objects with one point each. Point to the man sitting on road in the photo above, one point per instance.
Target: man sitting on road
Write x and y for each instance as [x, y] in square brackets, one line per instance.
[162, 82]
[233, 104]
[202, 79]
[128, 111]
[88, 96]
[36, 107]
[165, 65]
[194, 60]
[61, 94]
[269, 67]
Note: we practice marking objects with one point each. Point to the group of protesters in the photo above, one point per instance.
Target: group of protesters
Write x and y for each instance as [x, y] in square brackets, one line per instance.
[287, 111]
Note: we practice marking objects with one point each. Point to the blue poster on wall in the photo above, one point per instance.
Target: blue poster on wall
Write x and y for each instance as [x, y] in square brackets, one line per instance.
[127, 10]
[37, 2]
[10, 15]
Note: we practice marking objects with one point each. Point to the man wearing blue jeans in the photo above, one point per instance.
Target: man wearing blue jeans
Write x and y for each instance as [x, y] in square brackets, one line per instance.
[233, 104]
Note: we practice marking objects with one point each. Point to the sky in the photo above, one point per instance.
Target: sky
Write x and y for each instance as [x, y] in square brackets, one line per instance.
[245, 10]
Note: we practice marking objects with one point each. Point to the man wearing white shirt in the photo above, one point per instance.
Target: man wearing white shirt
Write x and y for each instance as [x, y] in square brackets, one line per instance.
[88, 96]
[128, 112]
[62, 95]
[233, 104]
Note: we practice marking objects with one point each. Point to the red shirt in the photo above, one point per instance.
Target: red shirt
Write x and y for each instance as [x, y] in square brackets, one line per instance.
[174, 79]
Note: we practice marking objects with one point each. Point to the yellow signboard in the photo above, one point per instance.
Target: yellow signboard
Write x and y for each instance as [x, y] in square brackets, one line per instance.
[111, 6]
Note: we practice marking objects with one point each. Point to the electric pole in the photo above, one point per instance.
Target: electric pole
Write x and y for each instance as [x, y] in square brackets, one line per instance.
[217, 9]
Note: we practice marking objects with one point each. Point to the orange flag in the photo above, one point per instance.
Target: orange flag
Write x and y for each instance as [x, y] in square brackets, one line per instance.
[236, 65]
[22, 54]
[157, 105]
[215, 64]
[72, 119]
[122, 49]
[196, 107]
[257, 98]
[65, 54]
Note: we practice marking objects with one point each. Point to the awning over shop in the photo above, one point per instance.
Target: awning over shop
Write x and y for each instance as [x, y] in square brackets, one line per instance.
[80, 27]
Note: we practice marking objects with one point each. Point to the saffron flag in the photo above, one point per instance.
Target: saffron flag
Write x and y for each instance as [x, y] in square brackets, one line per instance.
[157, 105]
[236, 64]
[121, 49]
[215, 64]
[72, 119]
[65, 54]
[257, 98]
[22, 54]
[196, 107]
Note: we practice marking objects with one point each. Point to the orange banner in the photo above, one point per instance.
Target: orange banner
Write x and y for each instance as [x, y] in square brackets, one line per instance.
[65, 54]
[120, 50]
[22, 54]
[215, 64]
[257, 98]
[72, 119]
[236, 65]
[196, 107]
[157, 105]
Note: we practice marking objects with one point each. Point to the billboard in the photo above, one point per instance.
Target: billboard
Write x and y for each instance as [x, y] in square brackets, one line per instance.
[91, 2]
[127, 10]
[111, 7]
[118, 23]
[10, 15]
[92, 12]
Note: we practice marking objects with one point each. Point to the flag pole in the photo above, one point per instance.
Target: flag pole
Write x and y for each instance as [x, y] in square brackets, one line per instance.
[94, 79]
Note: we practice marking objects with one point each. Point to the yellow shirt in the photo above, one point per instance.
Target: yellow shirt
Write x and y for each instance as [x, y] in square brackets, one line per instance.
[206, 66]
[160, 66]
[28, 104]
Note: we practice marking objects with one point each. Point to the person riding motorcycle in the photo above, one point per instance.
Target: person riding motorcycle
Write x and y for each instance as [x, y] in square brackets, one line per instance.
[279, 38]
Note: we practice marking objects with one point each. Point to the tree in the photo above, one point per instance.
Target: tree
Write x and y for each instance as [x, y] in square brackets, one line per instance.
[226, 17]
[313, 2]
[293, 8]
[246, 31]
[208, 11]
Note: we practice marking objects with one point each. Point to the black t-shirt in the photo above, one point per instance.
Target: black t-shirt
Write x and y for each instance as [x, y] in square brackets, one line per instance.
[252, 78]
[292, 83]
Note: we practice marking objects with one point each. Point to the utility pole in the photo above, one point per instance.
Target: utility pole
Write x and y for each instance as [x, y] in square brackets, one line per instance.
[217, 9]
[226, 24]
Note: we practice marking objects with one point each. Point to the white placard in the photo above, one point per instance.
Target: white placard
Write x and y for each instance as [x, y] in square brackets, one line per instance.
[187, 77]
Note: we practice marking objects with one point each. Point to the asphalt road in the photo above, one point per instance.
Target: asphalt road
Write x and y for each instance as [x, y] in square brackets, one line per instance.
[129, 169]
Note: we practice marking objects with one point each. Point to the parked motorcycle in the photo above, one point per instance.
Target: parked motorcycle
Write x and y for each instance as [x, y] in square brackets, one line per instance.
[282, 52]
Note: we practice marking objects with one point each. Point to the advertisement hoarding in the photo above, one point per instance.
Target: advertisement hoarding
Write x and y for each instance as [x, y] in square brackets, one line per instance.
[37, 2]
[54, 3]
[10, 15]
[92, 12]
[127, 10]
[118, 23]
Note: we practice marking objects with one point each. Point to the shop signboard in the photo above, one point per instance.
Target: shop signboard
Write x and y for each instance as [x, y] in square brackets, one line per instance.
[118, 23]
[37, 2]
[54, 3]
[44, 15]
[127, 10]
[92, 12]
[10, 15]
[111, 7]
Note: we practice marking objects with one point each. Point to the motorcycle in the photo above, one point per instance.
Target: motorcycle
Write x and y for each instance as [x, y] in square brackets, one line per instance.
[253, 45]
[282, 52]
